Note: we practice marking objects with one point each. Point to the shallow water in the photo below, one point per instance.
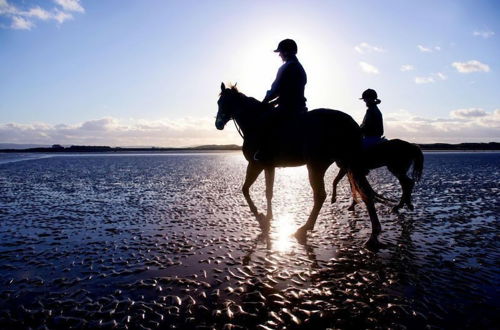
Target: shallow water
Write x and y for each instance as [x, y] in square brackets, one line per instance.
[148, 241]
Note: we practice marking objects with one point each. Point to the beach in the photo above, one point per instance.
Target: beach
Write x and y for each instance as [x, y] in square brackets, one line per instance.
[167, 240]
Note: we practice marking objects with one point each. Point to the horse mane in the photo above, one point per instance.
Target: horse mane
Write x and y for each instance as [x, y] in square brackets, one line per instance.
[251, 101]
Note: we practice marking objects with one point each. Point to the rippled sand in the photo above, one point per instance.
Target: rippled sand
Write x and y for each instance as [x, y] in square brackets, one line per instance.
[167, 240]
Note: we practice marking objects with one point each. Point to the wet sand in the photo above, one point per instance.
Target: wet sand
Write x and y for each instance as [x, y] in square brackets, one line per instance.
[168, 241]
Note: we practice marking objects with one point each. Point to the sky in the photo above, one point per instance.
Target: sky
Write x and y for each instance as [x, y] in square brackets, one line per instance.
[148, 73]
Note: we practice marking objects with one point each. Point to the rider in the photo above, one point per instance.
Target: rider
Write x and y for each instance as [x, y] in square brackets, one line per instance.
[372, 127]
[286, 93]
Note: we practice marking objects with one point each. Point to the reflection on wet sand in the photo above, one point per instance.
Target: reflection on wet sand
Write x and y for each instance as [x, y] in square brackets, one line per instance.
[95, 242]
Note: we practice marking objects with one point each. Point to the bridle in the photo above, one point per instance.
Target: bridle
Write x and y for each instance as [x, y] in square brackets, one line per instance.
[238, 128]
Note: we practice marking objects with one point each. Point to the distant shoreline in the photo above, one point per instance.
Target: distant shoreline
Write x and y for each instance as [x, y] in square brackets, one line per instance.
[435, 147]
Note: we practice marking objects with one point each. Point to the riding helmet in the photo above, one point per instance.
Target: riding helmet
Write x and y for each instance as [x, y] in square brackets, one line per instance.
[369, 94]
[287, 45]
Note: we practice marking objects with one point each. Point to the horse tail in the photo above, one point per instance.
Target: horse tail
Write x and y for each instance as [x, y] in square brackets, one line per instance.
[418, 163]
[361, 187]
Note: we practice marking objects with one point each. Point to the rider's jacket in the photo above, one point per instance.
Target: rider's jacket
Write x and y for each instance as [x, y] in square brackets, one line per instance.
[372, 123]
[289, 86]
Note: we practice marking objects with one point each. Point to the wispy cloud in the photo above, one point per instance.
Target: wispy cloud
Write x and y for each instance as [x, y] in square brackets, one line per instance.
[407, 67]
[431, 78]
[441, 76]
[424, 80]
[70, 5]
[483, 33]
[182, 132]
[426, 49]
[468, 113]
[471, 66]
[25, 18]
[368, 68]
[20, 23]
[364, 47]
[462, 125]
[39, 13]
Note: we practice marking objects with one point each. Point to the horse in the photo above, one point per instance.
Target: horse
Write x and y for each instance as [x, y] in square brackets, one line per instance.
[317, 139]
[398, 156]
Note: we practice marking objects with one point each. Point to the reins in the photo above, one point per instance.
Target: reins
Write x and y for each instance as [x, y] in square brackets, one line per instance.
[238, 129]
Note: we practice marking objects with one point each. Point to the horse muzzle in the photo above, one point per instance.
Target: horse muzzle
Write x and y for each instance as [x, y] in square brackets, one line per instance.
[219, 124]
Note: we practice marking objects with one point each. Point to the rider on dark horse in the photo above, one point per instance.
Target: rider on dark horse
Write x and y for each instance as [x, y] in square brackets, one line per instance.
[372, 126]
[286, 95]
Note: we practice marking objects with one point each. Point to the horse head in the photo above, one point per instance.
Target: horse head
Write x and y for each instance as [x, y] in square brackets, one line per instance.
[229, 102]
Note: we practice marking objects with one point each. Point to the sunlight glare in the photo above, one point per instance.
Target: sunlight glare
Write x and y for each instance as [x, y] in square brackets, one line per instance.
[282, 237]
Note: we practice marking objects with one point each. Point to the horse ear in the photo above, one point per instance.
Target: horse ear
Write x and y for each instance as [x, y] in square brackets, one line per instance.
[222, 86]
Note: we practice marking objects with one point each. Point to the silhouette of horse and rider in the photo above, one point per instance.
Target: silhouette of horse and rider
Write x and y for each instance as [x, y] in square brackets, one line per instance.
[281, 132]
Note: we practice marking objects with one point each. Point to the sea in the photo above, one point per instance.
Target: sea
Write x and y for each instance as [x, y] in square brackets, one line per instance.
[166, 240]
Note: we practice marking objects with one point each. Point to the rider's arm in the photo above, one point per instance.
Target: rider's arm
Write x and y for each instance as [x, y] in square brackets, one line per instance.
[275, 87]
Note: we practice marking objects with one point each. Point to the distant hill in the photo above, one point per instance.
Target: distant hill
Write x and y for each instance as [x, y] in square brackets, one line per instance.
[218, 147]
[22, 146]
[76, 148]
[461, 146]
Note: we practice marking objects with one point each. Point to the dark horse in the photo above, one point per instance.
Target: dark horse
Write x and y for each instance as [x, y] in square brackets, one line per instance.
[317, 139]
[398, 156]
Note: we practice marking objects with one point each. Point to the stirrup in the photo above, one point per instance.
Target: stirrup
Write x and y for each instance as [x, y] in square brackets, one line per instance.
[255, 157]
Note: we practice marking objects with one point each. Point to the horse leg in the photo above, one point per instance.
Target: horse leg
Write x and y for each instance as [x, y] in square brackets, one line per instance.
[354, 197]
[367, 194]
[269, 173]
[407, 190]
[317, 181]
[340, 175]
[253, 172]
[406, 187]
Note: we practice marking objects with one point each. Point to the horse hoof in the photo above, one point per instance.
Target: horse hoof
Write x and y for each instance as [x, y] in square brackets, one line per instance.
[264, 223]
[351, 208]
[334, 198]
[395, 209]
[301, 235]
[373, 244]
[410, 207]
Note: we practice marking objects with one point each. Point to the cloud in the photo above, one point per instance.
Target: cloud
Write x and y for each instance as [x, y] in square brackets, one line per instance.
[368, 68]
[70, 5]
[431, 78]
[424, 80]
[19, 23]
[61, 16]
[407, 67]
[441, 76]
[182, 132]
[6, 8]
[462, 125]
[364, 47]
[39, 13]
[471, 66]
[24, 18]
[425, 49]
[483, 34]
[468, 113]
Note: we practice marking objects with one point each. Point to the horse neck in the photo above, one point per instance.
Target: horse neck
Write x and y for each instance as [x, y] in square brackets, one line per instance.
[249, 116]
